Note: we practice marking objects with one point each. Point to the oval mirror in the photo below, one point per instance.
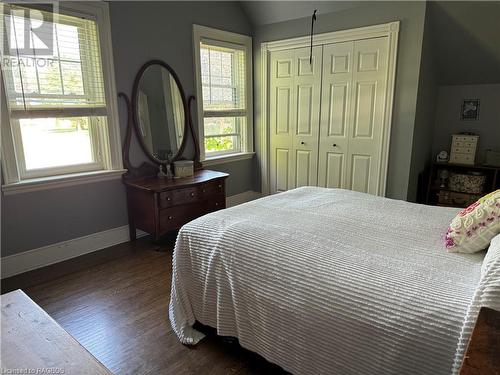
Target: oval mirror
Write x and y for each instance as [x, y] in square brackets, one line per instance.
[160, 112]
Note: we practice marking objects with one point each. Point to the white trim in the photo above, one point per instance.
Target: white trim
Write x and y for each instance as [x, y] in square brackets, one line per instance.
[58, 112]
[244, 197]
[389, 104]
[264, 115]
[204, 33]
[390, 30]
[366, 32]
[45, 256]
[222, 159]
[54, 182]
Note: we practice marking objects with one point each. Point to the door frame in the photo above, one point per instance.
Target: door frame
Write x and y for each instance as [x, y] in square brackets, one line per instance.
[389, 30]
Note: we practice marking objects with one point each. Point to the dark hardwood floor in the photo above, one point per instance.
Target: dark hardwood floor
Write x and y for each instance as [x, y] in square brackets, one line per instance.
[118, 310]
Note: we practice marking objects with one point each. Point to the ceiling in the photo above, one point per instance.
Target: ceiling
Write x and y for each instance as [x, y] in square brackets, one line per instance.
[466, 41]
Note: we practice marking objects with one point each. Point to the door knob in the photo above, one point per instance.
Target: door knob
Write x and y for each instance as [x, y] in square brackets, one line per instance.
[334, 145]
[302, 143]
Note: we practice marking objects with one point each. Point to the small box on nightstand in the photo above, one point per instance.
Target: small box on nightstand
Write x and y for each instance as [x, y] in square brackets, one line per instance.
[463, 149]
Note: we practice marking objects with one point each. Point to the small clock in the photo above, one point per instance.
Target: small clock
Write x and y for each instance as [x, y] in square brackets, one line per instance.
[442, 156]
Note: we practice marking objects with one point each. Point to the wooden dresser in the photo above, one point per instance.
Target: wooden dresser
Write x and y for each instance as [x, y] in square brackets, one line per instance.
[158, 206]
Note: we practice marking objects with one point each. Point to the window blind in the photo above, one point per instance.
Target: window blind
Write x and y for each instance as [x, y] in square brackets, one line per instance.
[63, 80]
[223, 76]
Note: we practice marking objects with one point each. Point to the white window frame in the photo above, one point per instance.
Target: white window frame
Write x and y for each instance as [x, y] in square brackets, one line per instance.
[201, 33]
[111, 164]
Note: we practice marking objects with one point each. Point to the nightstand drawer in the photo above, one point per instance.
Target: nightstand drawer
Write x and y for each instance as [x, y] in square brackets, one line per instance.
[178, 197]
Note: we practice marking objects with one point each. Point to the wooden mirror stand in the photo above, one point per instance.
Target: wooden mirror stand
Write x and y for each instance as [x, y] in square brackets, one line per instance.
[161, 205]
[151, 168]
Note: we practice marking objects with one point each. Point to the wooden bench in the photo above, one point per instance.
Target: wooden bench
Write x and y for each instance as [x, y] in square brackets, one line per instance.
[34, 343]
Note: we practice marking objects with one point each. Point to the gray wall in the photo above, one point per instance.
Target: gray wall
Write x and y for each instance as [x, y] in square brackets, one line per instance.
[267, 12]
[466, 40]
[140, 31]
[411, 15]
[424, 117]
[447, 120]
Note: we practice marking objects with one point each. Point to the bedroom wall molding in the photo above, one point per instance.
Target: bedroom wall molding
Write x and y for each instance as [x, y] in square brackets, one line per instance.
[390, 30]
[47, 255]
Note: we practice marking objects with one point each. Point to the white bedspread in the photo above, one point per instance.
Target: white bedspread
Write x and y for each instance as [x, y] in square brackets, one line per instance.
[331, 281]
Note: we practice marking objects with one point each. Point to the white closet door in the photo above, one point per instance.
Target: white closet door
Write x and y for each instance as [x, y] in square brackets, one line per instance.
[335, 114]
[281, 108]
[367, 113]
[294, 118]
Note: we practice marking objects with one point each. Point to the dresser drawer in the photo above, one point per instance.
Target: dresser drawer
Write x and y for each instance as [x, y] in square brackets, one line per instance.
[175, 217]
[463, 150]
[211, 188]
[215, 202]
[178, 197]
[462, 158]
[464, 138]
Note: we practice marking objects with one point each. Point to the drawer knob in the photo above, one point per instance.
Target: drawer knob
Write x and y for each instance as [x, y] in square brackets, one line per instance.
[220, 185]
[204, 191]
[168, 198]
[191, 194]
[170, 217]
[216, 203]
[334, 145]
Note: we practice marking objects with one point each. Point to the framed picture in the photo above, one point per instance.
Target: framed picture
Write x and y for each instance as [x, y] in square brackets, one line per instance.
[470, 109]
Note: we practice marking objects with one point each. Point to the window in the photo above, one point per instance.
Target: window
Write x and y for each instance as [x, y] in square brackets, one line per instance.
[224, 82]
[59, 92]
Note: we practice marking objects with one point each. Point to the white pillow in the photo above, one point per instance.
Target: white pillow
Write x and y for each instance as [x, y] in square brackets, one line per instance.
[474, 227]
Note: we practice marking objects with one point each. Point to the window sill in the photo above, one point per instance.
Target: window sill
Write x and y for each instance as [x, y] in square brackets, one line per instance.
[66, 180]
[222, 159]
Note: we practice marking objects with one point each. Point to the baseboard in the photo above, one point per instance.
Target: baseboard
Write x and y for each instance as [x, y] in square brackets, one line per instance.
[45, 256]
[246, 196]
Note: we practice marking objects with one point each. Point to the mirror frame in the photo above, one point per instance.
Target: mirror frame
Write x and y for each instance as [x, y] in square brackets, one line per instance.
[135, 115]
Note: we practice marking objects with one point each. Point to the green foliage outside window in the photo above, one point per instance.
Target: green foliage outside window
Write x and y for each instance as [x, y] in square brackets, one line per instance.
[219, 144]
[215, 128]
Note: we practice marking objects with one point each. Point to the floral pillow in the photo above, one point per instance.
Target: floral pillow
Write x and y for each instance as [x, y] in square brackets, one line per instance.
[475, 226]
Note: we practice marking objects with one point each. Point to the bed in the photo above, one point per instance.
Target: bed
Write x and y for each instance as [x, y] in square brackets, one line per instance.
[332, 281]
